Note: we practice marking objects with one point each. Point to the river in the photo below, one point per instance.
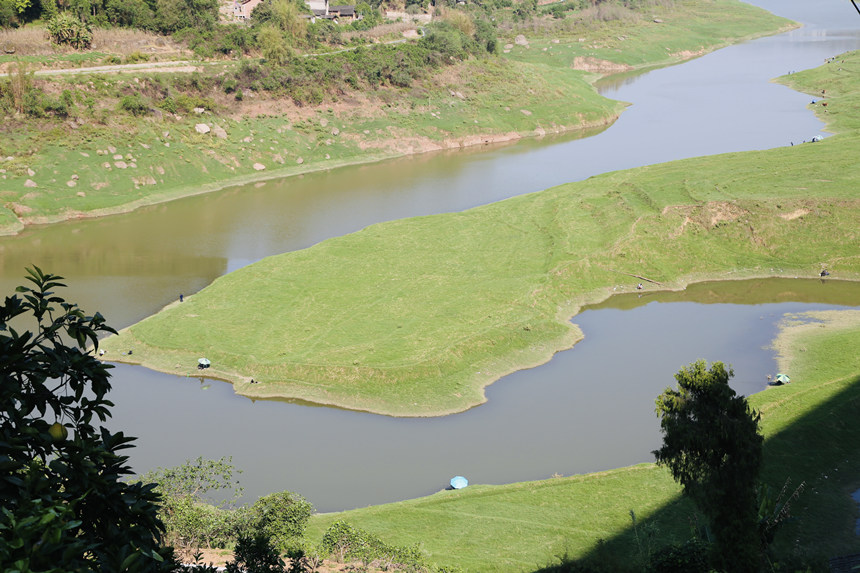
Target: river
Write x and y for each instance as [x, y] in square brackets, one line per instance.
[563, 417]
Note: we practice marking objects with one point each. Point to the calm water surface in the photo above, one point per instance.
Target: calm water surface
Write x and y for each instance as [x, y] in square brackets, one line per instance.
[562, 417]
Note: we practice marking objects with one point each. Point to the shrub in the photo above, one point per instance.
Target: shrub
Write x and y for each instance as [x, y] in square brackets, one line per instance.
[134, 105]
[282, 517]
[136, 58]
[65, 29]
[255, 554]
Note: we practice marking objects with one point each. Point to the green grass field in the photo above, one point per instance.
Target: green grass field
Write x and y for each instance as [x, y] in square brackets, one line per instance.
[415, 317]
[812, 437]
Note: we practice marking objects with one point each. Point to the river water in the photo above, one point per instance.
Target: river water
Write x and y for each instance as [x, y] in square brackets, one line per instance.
[564, 417]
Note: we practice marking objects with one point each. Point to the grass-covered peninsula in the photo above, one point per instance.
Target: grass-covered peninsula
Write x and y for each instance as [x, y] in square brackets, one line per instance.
[415, 317]
[96, 143]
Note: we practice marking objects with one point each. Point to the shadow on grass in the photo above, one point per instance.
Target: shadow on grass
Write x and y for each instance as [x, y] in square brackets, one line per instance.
[820, 449]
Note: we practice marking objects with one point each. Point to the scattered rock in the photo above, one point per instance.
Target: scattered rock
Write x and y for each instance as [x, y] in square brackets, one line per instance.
[199, 110]
[30, 183]
[327, 156]
[159, 169]
[120, 164]
[84, 154]
[525, 112]
[118, 156]
[165, 134]
[30, 172]
[202, 128]
[520, 40]
[556, 41]
[133, 165]
[259, 166]
[75, 177]
[145, 180]
[658, 21]
[106, 165]
[81, 194]
[509, 46]
[323, 122]
[300, 160]
[144, 145]
[335, 132]
[219, 132]
[248, 139]
[71, 183]
[111, 149]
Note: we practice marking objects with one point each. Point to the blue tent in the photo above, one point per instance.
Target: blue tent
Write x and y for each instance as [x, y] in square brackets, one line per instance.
[782, 378]
[459, 482]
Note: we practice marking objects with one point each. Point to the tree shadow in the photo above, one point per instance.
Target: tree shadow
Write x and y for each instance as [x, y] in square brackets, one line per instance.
[820, 449]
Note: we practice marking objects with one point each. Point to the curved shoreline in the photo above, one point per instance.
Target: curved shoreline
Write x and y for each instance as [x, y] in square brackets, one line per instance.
[488, 376]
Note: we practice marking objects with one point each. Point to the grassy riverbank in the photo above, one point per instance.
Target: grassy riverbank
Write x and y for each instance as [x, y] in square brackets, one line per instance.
[102, 160]
[415, 317]
[812, 436]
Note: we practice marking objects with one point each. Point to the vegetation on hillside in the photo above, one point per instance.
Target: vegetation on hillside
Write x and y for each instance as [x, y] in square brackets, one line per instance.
[95, 144]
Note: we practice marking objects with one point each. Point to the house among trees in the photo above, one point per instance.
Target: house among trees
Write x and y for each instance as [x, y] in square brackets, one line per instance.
[242, 8]
[322, 9]
[319, 8]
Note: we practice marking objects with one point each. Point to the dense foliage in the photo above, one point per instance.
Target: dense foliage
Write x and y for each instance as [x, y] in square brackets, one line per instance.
[63, 504]
[712, 445]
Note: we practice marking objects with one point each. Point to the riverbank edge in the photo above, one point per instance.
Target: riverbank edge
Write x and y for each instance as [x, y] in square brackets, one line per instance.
[454, 141]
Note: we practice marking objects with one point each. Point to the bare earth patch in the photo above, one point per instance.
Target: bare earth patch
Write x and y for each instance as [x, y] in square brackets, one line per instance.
[797, 213]
[589, 64]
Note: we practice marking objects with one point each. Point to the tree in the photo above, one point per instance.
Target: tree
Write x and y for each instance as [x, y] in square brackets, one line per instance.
[63, 504]
[67, 29]
[190, 520]
[282, 516]
[712, 446]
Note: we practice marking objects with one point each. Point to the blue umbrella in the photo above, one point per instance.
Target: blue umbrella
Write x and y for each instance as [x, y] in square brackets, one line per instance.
[459, 482]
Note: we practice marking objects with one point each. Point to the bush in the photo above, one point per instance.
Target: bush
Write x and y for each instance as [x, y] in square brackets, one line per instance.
[134, 105]
[255, 554]
[136, 58]
[65, 29]
[282, 517]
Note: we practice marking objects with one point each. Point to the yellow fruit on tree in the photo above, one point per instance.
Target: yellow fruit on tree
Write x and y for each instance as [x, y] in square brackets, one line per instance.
[58, 432]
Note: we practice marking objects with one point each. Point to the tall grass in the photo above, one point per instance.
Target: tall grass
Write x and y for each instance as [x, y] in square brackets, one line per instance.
[34, 41]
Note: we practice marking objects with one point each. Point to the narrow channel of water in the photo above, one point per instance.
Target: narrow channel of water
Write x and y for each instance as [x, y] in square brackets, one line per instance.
[563, 417]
